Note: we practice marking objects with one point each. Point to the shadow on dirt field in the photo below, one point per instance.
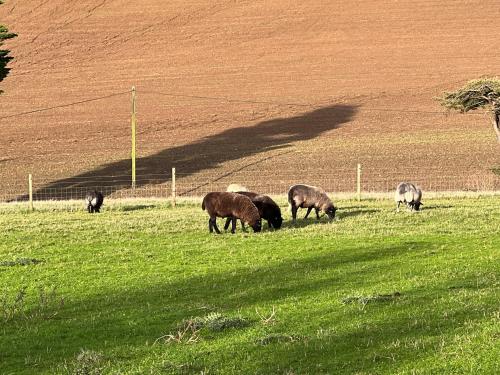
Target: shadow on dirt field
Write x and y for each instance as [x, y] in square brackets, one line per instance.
[205, 154]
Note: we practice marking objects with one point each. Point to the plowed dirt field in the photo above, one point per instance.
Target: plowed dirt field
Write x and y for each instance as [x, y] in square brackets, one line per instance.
[254, 91]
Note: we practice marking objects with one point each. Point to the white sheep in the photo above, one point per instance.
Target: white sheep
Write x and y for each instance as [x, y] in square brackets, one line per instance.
[235, 188]
[410, 195]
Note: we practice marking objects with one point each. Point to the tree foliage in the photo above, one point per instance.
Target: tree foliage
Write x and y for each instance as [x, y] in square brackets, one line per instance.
[475, 94]
[4, 54]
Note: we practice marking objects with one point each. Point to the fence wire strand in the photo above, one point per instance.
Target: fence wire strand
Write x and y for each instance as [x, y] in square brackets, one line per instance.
[196, 185]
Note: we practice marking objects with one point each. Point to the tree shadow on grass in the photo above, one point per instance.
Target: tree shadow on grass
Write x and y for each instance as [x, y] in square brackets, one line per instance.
[205, 154]
[302, 223]
[352, 207]
[340, 215]
[137, 207]
[440, 207]
[409, 336]
[135, 316]
[344, 214]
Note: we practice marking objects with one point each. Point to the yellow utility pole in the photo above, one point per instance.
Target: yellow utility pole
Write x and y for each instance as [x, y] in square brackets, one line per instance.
[134, 120]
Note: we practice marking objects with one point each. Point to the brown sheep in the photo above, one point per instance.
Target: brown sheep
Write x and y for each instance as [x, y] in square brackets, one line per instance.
[305, 196]
[268, 210]
[232, 205]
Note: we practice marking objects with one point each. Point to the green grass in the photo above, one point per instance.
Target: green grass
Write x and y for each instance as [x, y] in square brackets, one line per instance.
[147, 290]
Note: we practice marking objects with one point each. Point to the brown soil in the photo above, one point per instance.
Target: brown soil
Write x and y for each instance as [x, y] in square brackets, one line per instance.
[312, 89]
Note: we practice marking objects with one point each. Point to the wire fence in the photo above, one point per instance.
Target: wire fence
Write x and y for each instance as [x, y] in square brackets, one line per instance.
[264, 182]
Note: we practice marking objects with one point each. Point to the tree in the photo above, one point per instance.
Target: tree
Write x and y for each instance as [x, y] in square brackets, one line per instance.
[4, 54]
[478, 93]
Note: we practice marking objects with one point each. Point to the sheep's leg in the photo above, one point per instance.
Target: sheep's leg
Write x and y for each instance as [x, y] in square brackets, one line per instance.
[294, 213]
[397, 208]
[242, 225]
[210, 225]
[228, 221]
[214, 224]
[89, 209]
[269, 225]
[233, 225]
[308, 212]
[317, 213]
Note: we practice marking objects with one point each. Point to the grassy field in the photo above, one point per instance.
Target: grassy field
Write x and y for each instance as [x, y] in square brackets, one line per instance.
[145, 289]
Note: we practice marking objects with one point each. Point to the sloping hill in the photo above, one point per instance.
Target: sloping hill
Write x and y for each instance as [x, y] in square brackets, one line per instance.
[300, 87]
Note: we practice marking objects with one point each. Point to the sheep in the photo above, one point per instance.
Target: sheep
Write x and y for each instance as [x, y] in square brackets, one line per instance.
[232, 205]
[94, 201]
[236, 188]
[305, 196]
[268, 210]
[410, 195]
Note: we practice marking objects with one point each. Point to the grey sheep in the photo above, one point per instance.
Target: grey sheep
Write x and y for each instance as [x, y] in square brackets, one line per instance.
[410, 195]
[305, 196]
[232, 205]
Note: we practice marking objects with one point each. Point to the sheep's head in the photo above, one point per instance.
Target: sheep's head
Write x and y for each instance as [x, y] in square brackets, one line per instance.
[330, 211]
[257, 226]
[276, 222]
[416, 206]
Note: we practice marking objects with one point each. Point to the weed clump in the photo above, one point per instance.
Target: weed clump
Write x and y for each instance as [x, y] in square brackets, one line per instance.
[369, 299]
[278, 338]
[188, 330]
[20, 262]
[87, 362]
[46, 304]
[184, 368]
[216, 322]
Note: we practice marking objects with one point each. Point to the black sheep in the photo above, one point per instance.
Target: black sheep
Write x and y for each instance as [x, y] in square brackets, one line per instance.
[268, 210]
[232, 205]
[94, 201]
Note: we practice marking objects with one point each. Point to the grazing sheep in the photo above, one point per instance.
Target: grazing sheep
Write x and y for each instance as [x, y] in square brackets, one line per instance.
[305, 196]
[268, 210]
[235, 188]
[94, 201]
[232, 205]
[410, 195]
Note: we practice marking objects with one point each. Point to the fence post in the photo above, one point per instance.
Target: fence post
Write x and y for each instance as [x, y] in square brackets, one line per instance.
[358, 182]
[173, 187]
[133, 137]
[30, 191]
